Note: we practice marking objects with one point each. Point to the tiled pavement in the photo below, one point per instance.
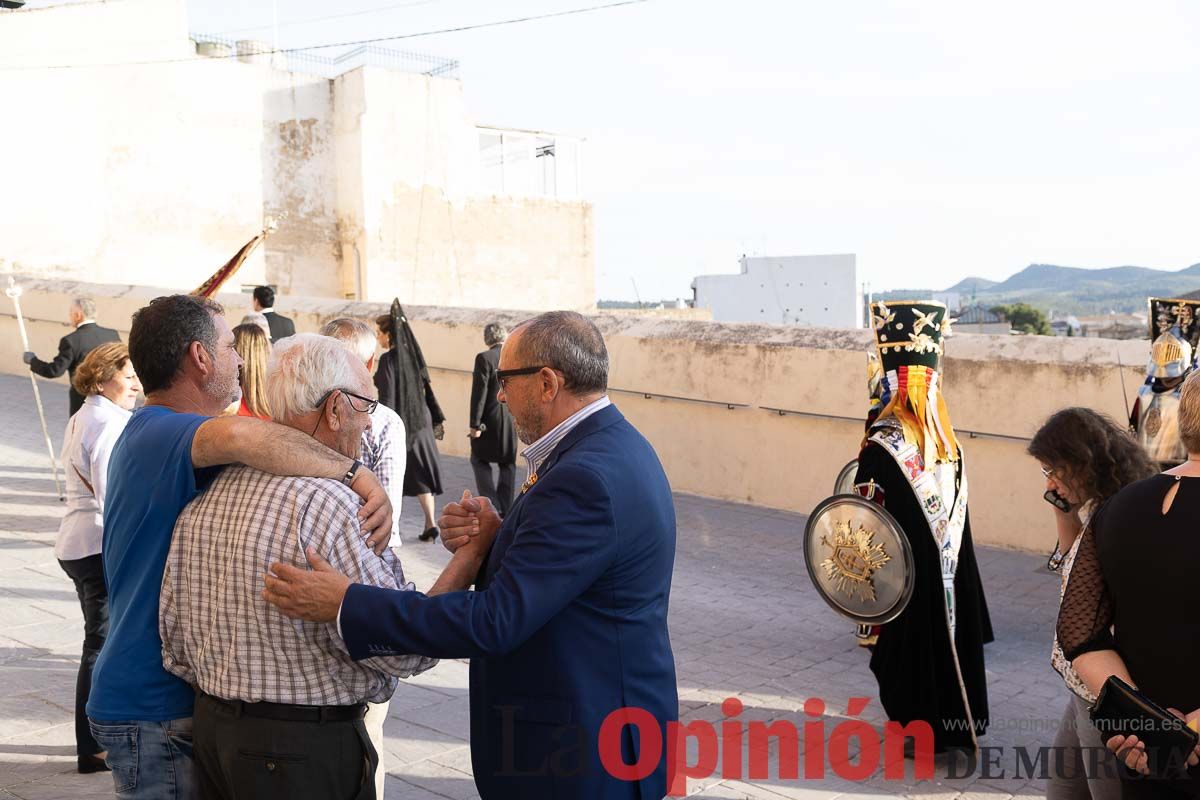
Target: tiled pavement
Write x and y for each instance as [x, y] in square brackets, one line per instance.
[744, 622]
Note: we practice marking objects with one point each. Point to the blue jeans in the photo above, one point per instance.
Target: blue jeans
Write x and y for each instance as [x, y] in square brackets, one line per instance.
[149, 760]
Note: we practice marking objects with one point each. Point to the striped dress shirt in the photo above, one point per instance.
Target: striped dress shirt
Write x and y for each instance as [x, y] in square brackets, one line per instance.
[218, 633]
[536, 453]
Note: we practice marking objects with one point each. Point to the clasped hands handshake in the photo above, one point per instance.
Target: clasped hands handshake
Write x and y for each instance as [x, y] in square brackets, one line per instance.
[471, 521]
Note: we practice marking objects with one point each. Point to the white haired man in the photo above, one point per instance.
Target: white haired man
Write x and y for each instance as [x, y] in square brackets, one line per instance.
[74, 347]
[385, 452]
[280, 706]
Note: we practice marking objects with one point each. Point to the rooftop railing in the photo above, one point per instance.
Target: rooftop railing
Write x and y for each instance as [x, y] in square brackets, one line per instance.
[310, 63]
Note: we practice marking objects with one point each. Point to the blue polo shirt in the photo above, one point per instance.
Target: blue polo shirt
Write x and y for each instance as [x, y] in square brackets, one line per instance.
[150, 480]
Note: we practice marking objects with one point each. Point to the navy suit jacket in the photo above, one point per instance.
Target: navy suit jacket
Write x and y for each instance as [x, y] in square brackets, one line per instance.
[568, 621]
[72, 349]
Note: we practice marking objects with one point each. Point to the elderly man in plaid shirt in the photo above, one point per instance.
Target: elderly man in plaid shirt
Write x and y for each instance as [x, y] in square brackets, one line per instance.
[280, 703]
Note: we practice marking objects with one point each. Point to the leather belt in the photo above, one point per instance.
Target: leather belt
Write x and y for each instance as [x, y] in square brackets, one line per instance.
[285, 712]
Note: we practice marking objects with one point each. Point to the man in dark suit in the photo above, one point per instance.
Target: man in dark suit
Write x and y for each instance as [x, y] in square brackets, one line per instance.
[493, 438]
[264, 303]
[74, 347]
[568, 620]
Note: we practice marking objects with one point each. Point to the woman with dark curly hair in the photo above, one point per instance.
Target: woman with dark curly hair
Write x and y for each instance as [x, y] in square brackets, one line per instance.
[1086, 458]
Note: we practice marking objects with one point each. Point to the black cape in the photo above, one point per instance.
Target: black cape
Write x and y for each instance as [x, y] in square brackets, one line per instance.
[410, 393]
[912, 659]
[422, 472]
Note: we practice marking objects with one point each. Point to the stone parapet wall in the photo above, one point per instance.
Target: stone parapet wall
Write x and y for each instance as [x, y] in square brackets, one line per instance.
[756, 413]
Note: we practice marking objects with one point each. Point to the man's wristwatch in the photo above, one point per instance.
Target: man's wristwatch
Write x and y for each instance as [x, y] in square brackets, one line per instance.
[348, 478]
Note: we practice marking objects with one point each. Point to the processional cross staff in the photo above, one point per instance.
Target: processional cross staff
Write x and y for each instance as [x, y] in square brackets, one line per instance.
[14, 292]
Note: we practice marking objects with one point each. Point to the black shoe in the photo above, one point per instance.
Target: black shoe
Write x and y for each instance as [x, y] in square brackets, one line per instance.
[90, 764]
[429, 535]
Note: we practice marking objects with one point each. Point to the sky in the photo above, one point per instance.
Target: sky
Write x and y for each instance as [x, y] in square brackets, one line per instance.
[935, 140]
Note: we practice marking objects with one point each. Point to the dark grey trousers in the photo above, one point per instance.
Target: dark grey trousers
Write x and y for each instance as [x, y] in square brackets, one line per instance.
[500, 492]
[244, 757]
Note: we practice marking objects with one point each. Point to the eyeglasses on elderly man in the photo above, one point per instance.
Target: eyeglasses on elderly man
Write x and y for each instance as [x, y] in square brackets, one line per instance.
[364, 404]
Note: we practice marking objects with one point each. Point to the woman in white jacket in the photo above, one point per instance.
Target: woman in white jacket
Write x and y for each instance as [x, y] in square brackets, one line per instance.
[107, 381]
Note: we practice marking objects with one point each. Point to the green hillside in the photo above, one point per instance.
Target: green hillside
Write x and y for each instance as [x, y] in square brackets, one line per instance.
[1071, 290]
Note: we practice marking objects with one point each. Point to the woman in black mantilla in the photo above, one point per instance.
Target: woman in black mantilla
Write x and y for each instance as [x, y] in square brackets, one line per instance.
[929, 660]
[402, 380]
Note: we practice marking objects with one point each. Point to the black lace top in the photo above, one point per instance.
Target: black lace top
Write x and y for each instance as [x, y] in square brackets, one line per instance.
[1133, 589]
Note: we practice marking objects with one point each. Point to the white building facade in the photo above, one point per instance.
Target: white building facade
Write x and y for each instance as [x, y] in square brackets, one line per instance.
[137, 153]
[789, 290]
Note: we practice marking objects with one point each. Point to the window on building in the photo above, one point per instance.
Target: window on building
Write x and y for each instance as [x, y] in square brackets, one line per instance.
[518, 164]
[491, 161]
[526, 164]
[566, 168]
[543, 156]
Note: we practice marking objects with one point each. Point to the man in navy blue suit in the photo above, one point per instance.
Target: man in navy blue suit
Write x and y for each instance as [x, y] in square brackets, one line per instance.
[568, 619]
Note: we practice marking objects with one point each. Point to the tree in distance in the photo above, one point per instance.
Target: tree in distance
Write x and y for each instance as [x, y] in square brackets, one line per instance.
[1024, 318]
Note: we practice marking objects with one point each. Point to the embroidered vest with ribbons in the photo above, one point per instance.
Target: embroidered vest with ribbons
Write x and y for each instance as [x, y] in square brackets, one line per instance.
[946, 515]
[944, 510]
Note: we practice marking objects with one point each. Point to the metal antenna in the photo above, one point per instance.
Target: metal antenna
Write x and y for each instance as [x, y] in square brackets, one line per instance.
[1124, 394]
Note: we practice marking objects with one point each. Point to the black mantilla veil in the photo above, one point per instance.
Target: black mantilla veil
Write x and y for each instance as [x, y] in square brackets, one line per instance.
[412, 389]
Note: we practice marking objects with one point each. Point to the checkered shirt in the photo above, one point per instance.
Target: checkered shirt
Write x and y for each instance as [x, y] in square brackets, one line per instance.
[385, 452]
[220, 635]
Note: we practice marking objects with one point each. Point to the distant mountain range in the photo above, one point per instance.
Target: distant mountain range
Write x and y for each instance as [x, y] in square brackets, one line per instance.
[1071, 290]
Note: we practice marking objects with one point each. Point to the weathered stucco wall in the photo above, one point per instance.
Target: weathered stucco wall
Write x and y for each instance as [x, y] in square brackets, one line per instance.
[428, 235]
[996, 387]
[299, 176]
[157, 173]
[125, 173]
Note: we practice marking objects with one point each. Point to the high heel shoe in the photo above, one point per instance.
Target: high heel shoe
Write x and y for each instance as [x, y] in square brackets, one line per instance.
[429, 535]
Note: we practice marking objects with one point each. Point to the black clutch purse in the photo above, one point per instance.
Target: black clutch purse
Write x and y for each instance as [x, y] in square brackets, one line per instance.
[1121, 710]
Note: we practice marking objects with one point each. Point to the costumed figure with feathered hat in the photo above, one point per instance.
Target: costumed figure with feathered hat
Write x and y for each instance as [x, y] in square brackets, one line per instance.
[928, 660]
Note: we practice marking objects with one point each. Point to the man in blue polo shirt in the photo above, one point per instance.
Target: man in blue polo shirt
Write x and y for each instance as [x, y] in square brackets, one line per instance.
[182, 348]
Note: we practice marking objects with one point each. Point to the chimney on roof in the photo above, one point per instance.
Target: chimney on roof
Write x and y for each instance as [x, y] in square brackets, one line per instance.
[213, 50]
[252, 51]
